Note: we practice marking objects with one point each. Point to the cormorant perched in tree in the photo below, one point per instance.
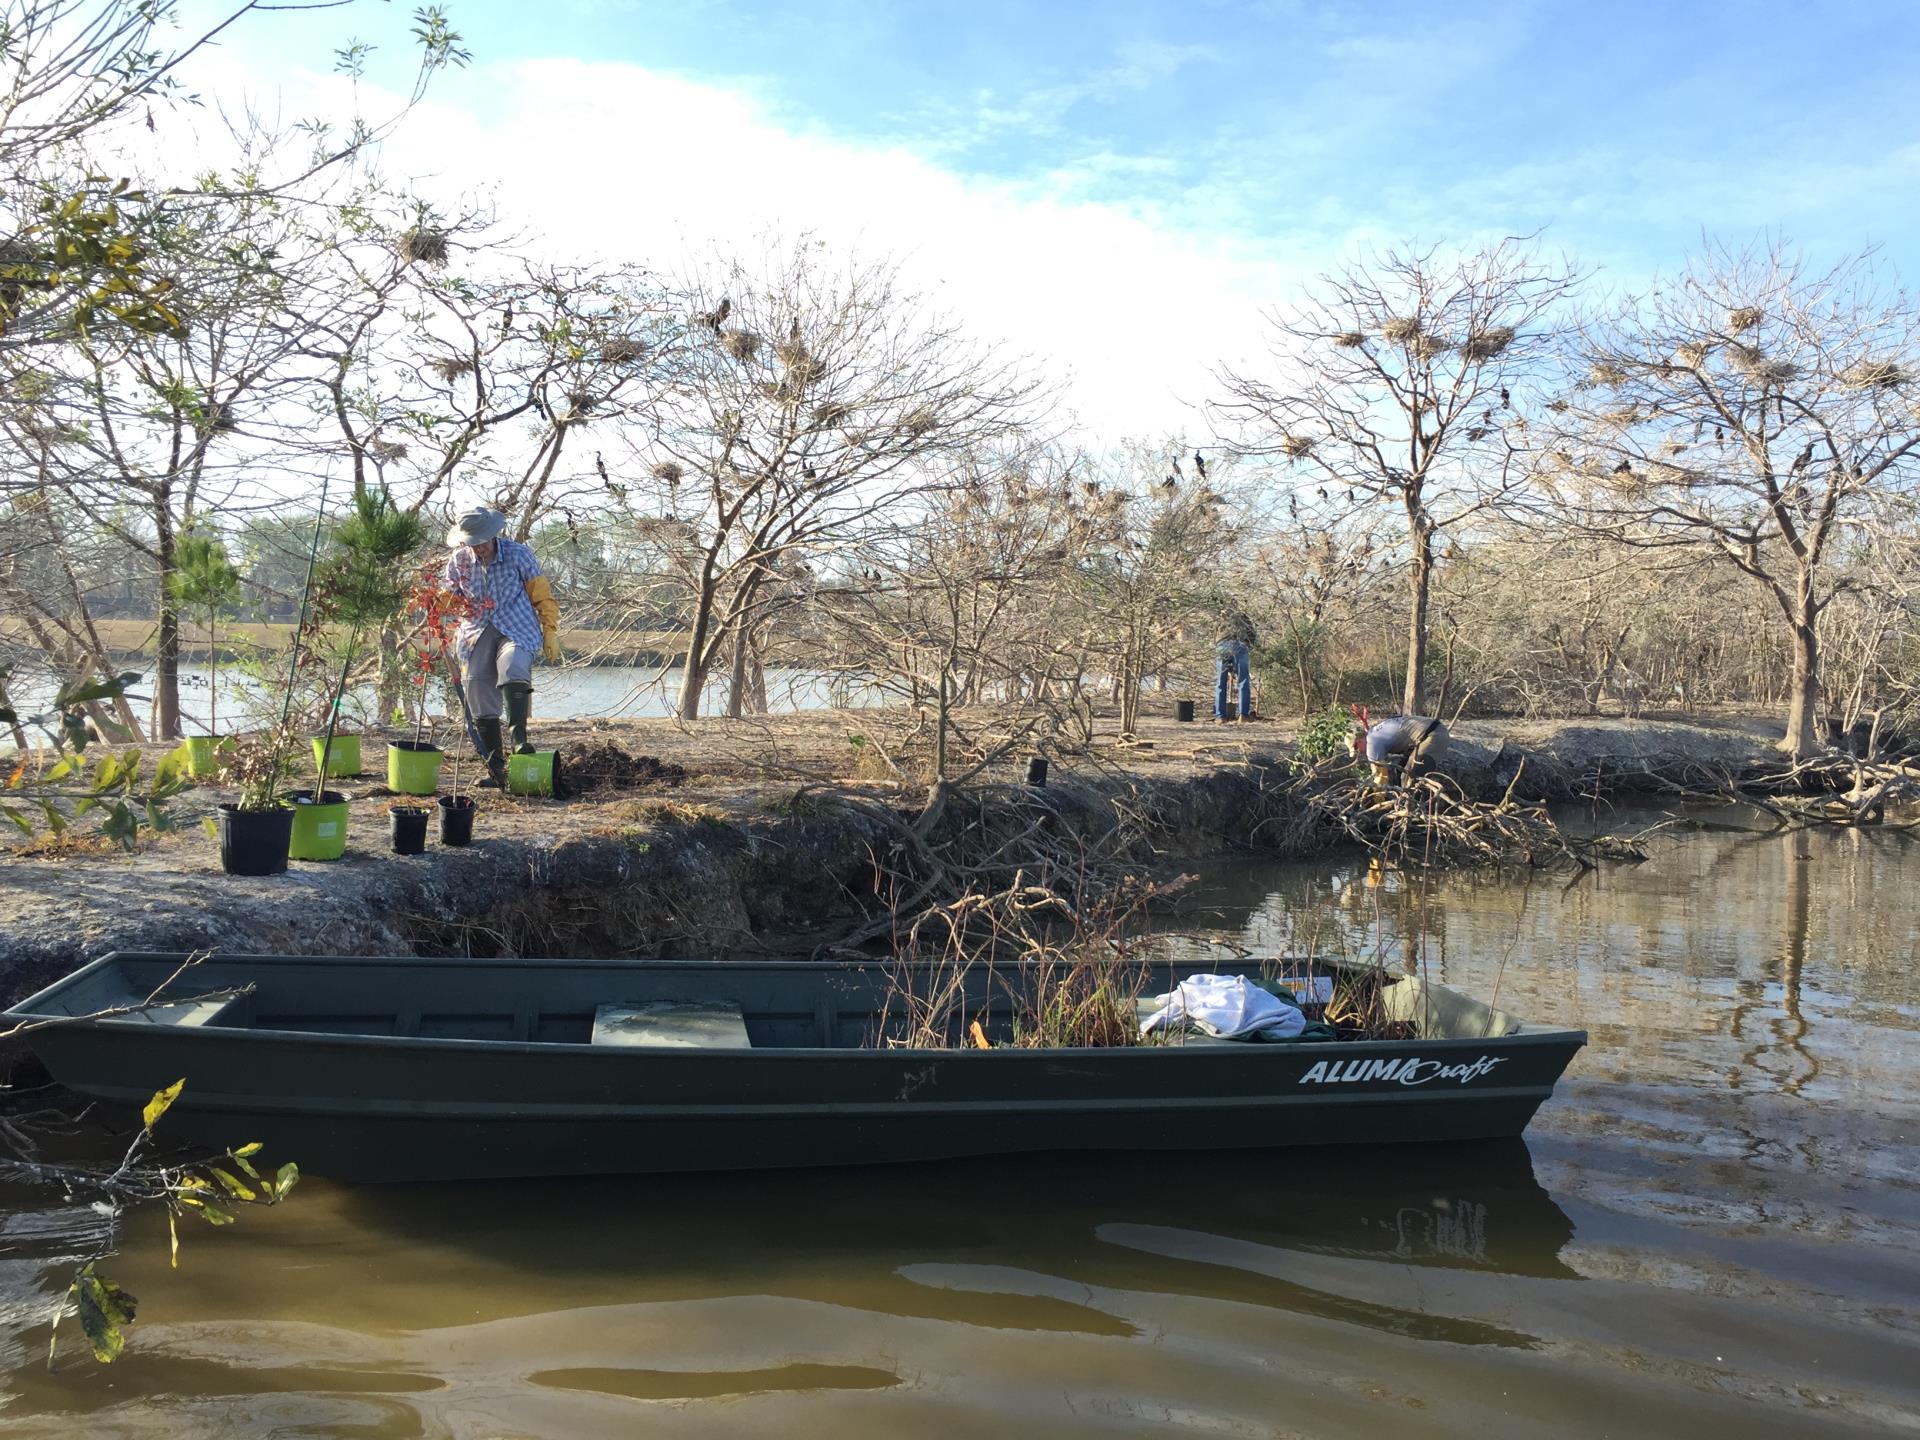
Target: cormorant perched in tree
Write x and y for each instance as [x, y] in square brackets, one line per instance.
[506, 317]
[1171, 482]
[1625, 467]
[1504, 398]
[1199, 465]
[793, 331]
[719, 314]
[1805, 456]
[601, 466]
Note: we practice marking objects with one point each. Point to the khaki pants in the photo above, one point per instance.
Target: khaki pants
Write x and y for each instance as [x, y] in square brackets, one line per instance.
[494, 661]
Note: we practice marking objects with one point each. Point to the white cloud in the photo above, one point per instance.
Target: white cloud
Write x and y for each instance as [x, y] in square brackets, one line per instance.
[615, 161]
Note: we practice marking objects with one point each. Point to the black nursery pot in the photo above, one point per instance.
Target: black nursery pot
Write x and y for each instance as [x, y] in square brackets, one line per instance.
[456, 820]
[1183, 711]
[407, 826]
[254, 842]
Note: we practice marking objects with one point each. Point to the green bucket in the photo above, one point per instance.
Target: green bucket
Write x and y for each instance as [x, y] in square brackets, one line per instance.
[202, 760]
[535, 774]
[319, 831]
[413, 770]
[345, 759]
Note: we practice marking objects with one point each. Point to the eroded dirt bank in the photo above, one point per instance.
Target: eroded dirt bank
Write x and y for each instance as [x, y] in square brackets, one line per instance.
[751, 849]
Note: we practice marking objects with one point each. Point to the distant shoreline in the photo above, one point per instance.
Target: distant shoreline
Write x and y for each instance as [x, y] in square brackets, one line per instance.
[132, 640]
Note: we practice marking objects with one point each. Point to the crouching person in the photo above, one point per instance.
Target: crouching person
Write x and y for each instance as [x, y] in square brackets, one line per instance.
[1400, 747]
[512, 618]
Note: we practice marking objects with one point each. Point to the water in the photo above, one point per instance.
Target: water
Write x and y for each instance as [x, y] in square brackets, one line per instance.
[1714, 1229]
[581, 692]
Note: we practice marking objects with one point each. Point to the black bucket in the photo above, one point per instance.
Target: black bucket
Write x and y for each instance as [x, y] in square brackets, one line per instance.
[1183, 711]
[1037, 770]
[407, 825]
[254, 842]
[456, 820]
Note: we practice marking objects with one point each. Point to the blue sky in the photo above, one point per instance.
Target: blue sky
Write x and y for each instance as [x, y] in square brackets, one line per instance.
[1213, 153]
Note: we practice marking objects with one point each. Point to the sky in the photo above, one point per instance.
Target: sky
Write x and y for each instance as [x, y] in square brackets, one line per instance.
[1122, 189]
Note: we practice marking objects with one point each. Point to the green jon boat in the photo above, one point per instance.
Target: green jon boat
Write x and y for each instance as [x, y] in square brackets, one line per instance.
[413, 1068]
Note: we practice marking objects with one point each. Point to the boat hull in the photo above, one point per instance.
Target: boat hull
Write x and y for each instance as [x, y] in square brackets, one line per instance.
[412, 1107]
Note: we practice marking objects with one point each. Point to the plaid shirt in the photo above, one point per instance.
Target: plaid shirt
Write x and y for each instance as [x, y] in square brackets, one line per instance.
[498, 593]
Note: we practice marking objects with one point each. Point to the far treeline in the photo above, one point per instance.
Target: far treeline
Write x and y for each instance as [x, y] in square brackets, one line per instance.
[1463, 479]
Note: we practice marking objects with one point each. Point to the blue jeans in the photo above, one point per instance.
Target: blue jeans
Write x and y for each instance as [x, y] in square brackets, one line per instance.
[1234, 660]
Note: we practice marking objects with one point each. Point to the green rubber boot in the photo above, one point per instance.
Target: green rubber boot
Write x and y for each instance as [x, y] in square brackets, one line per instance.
[519, 700]
[495, 751]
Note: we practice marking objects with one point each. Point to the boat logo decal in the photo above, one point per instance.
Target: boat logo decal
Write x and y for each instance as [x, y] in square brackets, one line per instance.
[1408, 1070]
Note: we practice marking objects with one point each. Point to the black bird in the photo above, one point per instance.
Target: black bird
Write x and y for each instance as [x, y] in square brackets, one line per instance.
[1505, 399]
[720, 313]
[1625, 467]
[506, 318]
[601, 466]
[1293, 507]
[1718, 433]
[1323, 492]
[793, 331]
[1171, 482]
[806, 473]
[1199, 465]
[1805, 456]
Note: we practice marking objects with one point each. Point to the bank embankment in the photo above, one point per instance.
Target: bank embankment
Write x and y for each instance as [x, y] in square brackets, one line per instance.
[754, 848]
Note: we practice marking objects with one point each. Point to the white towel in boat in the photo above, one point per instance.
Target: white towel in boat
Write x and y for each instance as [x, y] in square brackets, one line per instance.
[1228, 1007]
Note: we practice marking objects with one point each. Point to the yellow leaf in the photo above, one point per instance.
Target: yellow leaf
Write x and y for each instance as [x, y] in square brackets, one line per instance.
[161, 1101]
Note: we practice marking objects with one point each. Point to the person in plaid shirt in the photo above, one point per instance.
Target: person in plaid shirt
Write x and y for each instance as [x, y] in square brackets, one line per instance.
[513, 617]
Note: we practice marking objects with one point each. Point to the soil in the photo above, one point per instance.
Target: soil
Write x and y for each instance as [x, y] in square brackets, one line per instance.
[713, 838]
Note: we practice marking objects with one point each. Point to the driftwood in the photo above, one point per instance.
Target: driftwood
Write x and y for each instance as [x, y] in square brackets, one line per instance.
[1844, 792]
[1430, 821]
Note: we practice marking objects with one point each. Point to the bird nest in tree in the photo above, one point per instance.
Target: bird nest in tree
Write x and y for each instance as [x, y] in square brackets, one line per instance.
[831, 414]
[1622, 418]
[1427, 346]
[581, 401]
[923, 420]
[1401, 329]
[423, 245]
[1349, 339]
[1874, 375]
[1744, 318]
[1760, 369]
[386, 449]
[1297, 447]
[660, 527]
[742, 345]
[451, 367]
[1607, 372]
[1487, 344]
[1693, 354]
[622, 350]
[669, 471]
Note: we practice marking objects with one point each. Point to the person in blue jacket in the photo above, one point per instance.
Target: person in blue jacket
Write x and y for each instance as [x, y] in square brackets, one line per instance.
[1235, 661]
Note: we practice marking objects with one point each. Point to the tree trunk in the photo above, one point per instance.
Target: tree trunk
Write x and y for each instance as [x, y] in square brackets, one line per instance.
[1803, 728]
[737, 675]
[1420, 582]
[694, 678]
[166, 650]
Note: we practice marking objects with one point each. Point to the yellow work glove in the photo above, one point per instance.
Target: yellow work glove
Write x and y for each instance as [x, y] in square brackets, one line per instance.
[541, 594]
[1382, 774]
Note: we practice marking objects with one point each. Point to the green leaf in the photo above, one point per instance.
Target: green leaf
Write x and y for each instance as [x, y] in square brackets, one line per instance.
[161, 1102]
[207, 1210]
[104, 1310]
[81, 693]
[26, 825]
[173, 1240]
[284, 1180]
[211, 826]
[252, 1147]
[236, 1188]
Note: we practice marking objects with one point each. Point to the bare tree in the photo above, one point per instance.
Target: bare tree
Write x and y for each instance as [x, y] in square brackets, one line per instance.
[1756, 409]
[809, 397]
[1394, 386]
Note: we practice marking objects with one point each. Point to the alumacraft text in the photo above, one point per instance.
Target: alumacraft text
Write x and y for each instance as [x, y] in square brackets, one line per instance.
[1411, 1070]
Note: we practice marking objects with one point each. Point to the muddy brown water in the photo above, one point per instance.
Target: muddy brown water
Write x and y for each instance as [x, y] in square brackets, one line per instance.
[1714, 1229]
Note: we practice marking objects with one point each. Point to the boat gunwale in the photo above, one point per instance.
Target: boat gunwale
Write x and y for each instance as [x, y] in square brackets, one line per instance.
[1526, 1036]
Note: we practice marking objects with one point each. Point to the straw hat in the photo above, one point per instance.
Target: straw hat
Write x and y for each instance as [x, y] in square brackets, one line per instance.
[476, 527]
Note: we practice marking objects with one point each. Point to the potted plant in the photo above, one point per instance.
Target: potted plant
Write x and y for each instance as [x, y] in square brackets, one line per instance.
[361, 590]
[413, 766]
[256, 830]
[204, 578]
[456, 811]
[407, 827]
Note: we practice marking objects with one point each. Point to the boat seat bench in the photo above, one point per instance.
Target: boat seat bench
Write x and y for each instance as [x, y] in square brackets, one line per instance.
[672, 1025]
[191, 1013]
